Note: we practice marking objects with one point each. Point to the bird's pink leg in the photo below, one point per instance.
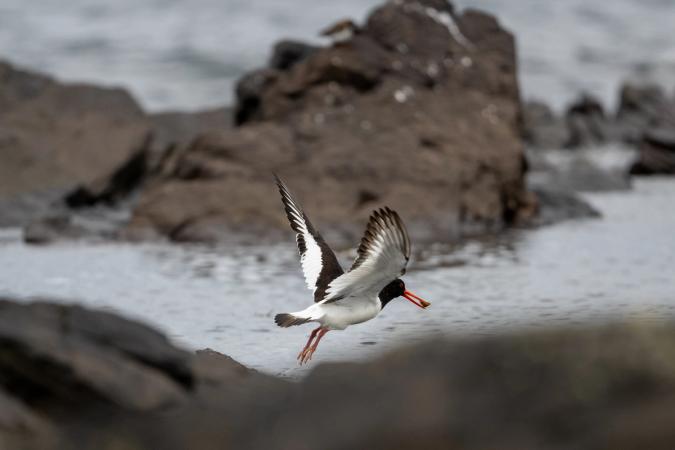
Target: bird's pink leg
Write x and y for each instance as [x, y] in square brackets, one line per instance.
[309, 341]
[312, 349]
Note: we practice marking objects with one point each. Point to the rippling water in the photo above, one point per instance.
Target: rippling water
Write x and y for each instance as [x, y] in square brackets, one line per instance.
[182, 54]
[571, 273]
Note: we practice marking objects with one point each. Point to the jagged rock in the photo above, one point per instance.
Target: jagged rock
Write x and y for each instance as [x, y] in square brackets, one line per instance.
[420, 109]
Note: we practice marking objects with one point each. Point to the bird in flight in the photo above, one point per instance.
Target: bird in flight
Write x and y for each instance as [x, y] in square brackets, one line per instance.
[344, 298]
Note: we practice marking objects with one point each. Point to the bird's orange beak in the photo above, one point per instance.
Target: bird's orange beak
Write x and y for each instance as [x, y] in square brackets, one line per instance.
[417, 301]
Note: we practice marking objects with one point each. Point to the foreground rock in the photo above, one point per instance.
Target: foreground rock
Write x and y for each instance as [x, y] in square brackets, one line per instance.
[75, 378]
[62, 366]
[418, 110]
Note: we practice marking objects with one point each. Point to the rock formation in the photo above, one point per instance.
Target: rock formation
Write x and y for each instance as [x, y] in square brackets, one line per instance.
[419, 110]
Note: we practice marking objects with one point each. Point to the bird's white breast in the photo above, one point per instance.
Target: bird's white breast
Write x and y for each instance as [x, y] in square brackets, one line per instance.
[349, 311]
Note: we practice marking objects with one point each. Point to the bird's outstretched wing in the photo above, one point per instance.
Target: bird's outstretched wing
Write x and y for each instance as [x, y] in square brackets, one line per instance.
[382, 257]
[319, 264]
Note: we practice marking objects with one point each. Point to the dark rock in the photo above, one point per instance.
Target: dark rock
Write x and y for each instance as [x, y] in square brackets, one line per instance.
[211, 366]
[421, 116]
[587, 123]
[642, 107]
[644, 101]
[656, 153]
[661, 137]
[69, 355]
[593, 386]
[249, 91]
[542, 128]
[287, 53]
[123, 180]
[22, 428]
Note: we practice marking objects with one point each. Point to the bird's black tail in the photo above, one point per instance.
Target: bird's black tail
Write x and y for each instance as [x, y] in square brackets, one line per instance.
[288, 320]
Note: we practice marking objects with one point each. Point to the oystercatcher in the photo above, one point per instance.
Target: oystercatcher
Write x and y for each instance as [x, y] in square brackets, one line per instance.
[343, 298]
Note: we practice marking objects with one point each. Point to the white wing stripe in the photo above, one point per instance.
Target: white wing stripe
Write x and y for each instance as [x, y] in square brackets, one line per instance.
[319, 264]
[311, 261]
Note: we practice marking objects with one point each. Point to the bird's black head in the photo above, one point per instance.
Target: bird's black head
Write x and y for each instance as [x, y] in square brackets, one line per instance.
[394, 289]
[397, 289]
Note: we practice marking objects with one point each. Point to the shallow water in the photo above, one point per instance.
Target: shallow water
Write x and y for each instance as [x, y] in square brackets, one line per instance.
[181, 54]
[571, 273]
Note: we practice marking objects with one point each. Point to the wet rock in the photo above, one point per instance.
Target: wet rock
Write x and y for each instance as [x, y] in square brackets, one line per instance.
[542, 128]
[420, 109]
[287, 53]
[656, 153]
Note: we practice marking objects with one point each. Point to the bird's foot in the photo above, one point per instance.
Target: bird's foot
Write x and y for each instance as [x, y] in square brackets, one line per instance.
[306, 355]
